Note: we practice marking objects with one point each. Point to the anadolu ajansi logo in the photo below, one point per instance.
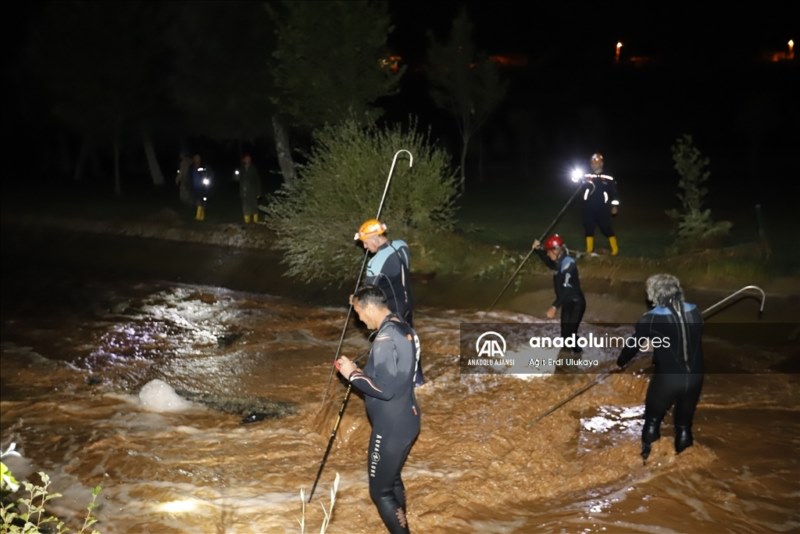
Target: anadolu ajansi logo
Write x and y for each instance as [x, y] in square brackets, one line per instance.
[491, 345]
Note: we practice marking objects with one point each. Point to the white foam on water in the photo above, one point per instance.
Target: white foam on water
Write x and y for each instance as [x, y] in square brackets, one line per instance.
[158, 396]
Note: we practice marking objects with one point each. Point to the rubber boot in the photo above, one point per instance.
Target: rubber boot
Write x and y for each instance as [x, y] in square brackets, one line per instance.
[589, 244]
[198, 213]
[255, 217]
[247, 219]
[683, 438]
[612, 241]
[651, 431]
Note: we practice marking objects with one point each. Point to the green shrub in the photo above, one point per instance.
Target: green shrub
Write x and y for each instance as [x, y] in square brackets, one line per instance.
[695, 227]
[342, 185]
[25, 512]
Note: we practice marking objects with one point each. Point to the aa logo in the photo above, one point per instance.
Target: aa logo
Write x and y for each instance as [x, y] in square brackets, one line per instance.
[491, 345]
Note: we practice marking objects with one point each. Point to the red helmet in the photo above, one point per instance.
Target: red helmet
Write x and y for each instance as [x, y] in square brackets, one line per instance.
[554, 241]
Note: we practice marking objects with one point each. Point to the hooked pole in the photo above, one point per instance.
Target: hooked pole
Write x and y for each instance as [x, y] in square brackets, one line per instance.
[361, 270]
[601, 378]
[543, 236]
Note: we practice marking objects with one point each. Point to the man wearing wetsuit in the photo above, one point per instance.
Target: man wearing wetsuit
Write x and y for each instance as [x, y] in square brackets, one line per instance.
[387, 382]
[566, 284]
[674, 329]
[389, 268]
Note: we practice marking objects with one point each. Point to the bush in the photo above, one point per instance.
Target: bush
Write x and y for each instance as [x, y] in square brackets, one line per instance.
[342, 185]
[695, 229]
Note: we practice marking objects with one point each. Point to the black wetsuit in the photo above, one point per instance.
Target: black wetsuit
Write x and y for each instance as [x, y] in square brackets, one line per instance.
[387, 383]
[599, 192]
[678, 377]
[390, 270]
[569, 297]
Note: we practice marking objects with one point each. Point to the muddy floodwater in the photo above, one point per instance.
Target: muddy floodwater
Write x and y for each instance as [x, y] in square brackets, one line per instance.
[83, 347]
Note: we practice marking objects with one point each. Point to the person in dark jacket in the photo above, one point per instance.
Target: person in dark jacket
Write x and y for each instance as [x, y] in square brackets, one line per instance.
[567, 285]
[387, 383]
[249, 188]
[600, 203]
[674, 330]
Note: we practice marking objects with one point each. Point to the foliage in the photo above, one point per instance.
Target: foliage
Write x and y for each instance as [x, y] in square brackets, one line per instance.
[695, 228]
[342, 185]
[27, 513]
[464, 83]
[327, 63]
[221, 79]
[328, 512]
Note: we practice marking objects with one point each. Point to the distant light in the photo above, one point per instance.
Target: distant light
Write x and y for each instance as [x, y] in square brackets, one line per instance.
[577, 174]
[791, 49]
[206, 181]
[618, 51]
[236, 172]
[201, 169]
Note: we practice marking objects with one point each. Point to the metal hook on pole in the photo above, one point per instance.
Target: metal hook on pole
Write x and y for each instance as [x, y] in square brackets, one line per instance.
[363, 264]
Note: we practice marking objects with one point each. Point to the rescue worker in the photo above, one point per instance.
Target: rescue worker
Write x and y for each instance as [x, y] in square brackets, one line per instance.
[201, 183]
[249, 188]
[387, 382]
[389, 268]
[567, 286]
[674, 329]
[600, 203]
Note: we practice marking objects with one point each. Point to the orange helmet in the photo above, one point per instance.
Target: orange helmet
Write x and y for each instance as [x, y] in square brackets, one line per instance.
[552, 242]
[370, 228]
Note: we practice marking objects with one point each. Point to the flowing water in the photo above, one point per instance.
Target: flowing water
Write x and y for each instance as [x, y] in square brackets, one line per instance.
[81, 357]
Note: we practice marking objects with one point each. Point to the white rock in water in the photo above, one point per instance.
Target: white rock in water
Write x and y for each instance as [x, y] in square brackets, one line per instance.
[158, 396]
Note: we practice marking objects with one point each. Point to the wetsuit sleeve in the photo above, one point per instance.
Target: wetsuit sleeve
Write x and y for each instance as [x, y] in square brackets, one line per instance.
[613, 195]
[628, 353]
[384, 356]
[566, 280]
[543, 256]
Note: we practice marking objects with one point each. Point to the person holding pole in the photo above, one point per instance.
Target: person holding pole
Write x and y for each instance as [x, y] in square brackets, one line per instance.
[567, 285]
[600, 203]
[387, 382]
[674, 329]
[389, 268]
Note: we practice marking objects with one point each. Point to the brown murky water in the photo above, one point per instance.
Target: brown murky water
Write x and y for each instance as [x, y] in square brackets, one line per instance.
[76, 354]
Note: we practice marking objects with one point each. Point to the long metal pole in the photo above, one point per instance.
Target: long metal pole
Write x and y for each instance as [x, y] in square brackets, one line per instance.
[543, 236]
[361, 270]
[602, 377]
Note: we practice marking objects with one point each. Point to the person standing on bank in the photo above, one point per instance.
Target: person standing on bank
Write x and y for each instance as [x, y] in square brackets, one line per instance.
[600, 203]
[567, 285]
[675, 331]
[201, 183]
[249, 188]
[389, 268]
[387, 382]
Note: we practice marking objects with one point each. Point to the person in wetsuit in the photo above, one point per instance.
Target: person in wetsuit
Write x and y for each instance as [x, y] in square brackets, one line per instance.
[567, 285]
[389, 268]
[674, 329]
[387, 382]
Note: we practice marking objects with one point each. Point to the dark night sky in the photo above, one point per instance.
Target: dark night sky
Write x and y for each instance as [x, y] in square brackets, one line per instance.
[575, 100]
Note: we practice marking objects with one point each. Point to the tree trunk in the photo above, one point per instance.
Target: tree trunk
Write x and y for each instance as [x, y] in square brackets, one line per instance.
[464, 148]
[150, 155]
[117, 181]
[284, 152]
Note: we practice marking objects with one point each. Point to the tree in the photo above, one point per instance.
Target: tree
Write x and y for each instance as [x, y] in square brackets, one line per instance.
[327, 67]
[342, 185]
[464, 83]
[98, 64]
[695, 228]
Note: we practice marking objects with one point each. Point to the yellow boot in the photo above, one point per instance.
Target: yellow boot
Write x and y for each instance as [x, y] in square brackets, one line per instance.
[255, 217]
[612, 241]
[589, 244]
[246, 219]
[201, 213]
